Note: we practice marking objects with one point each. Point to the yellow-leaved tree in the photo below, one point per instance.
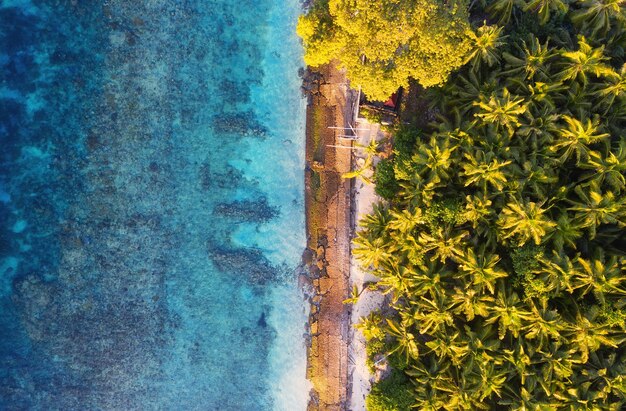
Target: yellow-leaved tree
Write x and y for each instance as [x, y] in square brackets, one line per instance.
[384, 43]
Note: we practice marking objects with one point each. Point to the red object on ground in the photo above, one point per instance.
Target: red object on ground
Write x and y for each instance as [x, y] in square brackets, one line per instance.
[393, 101]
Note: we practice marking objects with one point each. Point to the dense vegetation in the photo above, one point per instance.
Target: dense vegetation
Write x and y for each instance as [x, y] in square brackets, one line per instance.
[384, 43]
[503, 242]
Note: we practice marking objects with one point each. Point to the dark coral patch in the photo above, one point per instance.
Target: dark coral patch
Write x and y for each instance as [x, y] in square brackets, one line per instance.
[231, 177]
[250, 211]
[249, 263]
[238, 123]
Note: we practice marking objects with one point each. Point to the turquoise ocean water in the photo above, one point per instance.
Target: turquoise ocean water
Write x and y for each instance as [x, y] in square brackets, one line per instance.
[151, 205]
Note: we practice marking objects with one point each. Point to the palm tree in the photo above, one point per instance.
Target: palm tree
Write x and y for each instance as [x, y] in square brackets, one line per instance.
[362, 172]
[609, 169]
[527, 397]
[508, 312]
[576, 137]
[478, 209]
[482, 269]
[544, 324]
[474, 86]
[471, 302]
[410, 248]
[492, 381]
[484, 169]
[520, 360]
[405, 221]
[371, 150]
[445, 244]
[487, 40]
[502, 9]
[371, 252]
[524, 221]
[449, 346]
[502, 111]
[600, 276]
[544, 96]
[596, 208]
[431, 377]
[432, 314]
[598, 16]
[586, 335]
[428, 277]
[375, 223]
[613, 87]
[413, 186]
[544, 7]
[566, 232]
[558, 272]
[586, 60]
[578, 100]
[398, 281]
[533, 178]
[434, 160]
[606, 372]
[483, 343]
[404, 340]
[371, 326]
[560, 358]
[531, 59]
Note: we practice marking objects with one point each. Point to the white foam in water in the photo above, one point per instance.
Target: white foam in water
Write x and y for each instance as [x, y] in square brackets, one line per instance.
[287, 372]
[281, 107]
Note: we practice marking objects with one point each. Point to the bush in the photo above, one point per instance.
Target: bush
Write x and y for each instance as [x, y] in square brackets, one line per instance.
[386, 184]
[391, 394]
[404, 141]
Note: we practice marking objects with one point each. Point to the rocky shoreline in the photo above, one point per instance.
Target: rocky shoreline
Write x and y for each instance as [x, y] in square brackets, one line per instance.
[331, 103]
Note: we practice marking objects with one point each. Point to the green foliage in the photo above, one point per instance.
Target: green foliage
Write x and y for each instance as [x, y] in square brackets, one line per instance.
[526, 262]
[545, 7]
[442, 213]
[371, 328]
[373, 116]
[384, 43]
[404, 141]
[391, 394]
[385, 178]
[373, 348]
[486, 42]
[504, 248]
[526, 259]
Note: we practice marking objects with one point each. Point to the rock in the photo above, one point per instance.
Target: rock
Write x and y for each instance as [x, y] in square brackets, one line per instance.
[317, 166]
[307, 256]
[321, 252]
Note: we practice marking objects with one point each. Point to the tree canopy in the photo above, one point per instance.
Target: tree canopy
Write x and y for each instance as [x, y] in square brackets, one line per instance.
[384, 43]
[503, 241]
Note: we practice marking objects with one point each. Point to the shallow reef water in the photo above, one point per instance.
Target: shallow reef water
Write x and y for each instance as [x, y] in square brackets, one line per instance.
[151, 205]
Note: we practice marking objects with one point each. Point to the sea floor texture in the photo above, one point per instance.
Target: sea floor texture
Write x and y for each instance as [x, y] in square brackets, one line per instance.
[151, 205]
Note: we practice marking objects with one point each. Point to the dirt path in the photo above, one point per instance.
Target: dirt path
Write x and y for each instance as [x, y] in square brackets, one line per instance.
[328, 205]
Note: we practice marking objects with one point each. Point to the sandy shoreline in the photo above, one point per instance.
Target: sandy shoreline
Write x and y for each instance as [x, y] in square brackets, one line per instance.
[336, 352]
